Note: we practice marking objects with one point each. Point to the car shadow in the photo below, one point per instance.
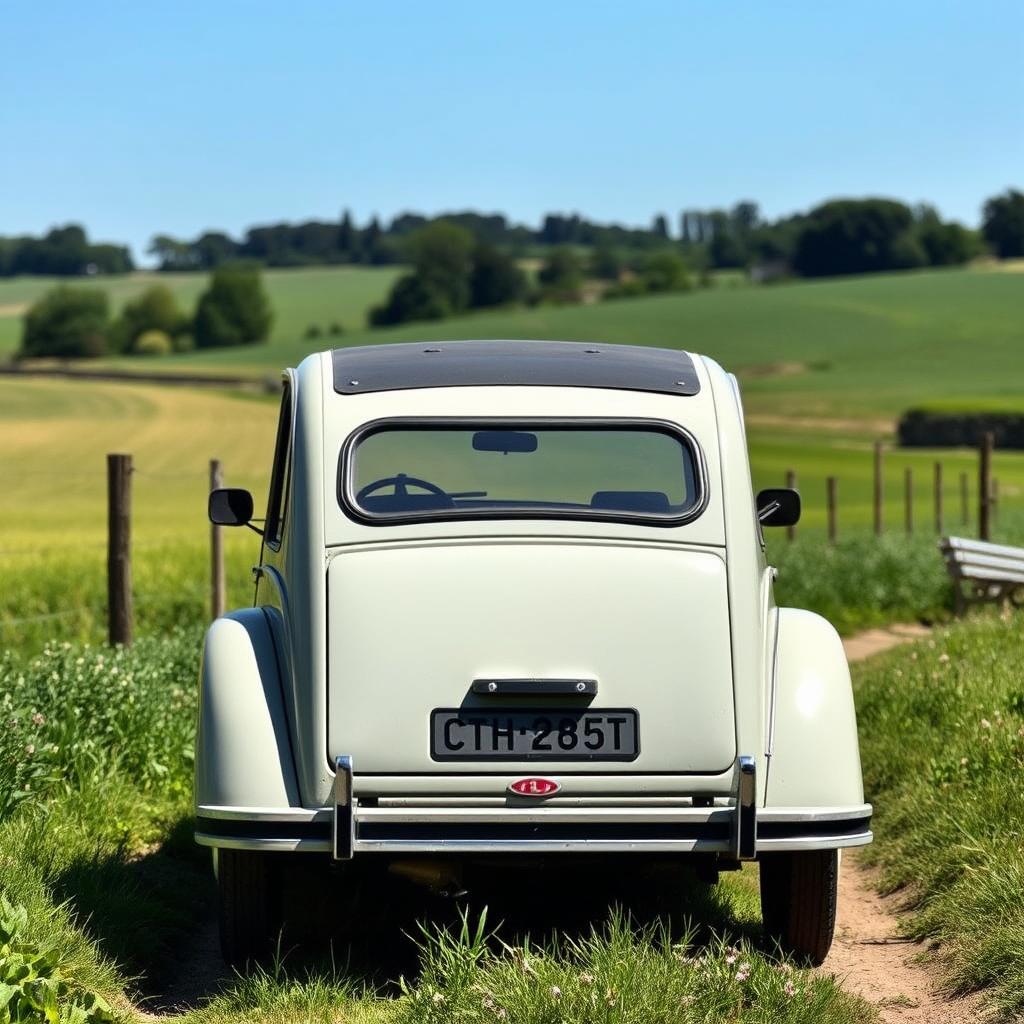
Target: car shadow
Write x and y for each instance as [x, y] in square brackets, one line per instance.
[155, 914]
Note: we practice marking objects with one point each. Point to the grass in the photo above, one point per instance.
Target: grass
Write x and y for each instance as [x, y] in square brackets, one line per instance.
[97, 859]
[942, 740]
[300, 297]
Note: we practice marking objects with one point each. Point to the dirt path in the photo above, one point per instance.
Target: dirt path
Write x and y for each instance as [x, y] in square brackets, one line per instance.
[874, 959]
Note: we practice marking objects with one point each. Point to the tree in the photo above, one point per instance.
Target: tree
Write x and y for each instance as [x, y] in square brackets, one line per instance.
[561, 276]
[659, 227]
[855, 236]
[66, 322]
[172, 253]
[1003, 224]
[410, 298]
[947, 245]
[665, 271]
[494, 279]
[155, 309]
[605, 263]
[234, 309]
[441, 255]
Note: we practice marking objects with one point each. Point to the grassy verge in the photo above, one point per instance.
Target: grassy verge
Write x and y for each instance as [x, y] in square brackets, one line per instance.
[103, 890]
[942, 739]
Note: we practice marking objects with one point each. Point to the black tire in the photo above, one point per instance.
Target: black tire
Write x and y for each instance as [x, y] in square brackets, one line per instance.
[249, 886]
[799, 890]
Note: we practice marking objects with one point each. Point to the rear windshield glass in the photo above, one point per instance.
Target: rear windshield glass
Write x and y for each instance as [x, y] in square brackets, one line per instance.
[462, 471]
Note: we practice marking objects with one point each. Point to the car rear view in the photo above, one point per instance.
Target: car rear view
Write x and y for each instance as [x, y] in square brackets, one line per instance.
[513, 602]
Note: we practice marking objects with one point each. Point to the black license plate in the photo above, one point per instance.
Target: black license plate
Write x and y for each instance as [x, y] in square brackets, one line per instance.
[528, 734]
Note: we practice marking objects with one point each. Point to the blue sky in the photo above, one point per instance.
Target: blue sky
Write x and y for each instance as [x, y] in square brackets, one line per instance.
[139, 118]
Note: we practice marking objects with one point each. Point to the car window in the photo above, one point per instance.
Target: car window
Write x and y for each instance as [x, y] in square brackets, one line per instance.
[279, 474]
[458, 470]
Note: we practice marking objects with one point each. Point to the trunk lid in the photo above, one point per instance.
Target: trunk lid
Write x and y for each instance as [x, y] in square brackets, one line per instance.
[413, 626]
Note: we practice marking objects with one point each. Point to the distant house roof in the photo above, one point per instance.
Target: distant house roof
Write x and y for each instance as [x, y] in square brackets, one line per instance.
[540, 363]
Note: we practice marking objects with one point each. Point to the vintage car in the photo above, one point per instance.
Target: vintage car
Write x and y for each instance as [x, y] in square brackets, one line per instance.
[513, 605]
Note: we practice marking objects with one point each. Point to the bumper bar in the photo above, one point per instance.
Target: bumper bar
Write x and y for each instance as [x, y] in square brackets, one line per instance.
[734, 828]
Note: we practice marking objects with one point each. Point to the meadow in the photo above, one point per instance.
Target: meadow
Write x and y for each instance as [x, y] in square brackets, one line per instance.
[862, 348]
[300, 298]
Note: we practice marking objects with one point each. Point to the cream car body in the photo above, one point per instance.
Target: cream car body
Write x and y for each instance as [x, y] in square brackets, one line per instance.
[315, 733]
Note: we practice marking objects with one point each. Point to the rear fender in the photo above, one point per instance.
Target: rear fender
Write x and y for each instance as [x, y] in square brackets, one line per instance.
[813, 754]
[243, 749]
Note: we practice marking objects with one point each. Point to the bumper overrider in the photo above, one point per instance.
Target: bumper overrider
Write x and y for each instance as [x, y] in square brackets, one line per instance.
[734, 827]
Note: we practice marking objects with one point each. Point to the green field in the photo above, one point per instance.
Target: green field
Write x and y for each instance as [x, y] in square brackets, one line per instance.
[839, 349]
[300, 297]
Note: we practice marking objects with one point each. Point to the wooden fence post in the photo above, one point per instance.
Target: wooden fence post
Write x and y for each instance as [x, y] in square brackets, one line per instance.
[965, 514]
[119, 549]
[878, 488]
[218, 584]
[830, 490]
[791, 484]
[985, 487]
[938, 498]
[908, 500]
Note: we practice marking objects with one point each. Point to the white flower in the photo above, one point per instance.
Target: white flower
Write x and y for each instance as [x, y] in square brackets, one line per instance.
[438, 998]
[38, 719]
[587, 978]
[556, 992]
[732, 955]
[744, 972]
[986, 724]
[30, 749]
[789, 988]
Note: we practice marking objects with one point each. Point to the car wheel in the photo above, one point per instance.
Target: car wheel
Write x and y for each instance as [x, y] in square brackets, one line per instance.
[799, 890]
[248, 884]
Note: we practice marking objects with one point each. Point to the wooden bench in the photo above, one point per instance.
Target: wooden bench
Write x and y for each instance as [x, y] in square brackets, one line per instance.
[983, 572]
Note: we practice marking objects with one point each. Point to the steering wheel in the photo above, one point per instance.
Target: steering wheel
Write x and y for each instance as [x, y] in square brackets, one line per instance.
[401, 483]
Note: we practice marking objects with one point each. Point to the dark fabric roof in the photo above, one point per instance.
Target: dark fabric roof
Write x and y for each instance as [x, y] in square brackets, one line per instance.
[545, 363]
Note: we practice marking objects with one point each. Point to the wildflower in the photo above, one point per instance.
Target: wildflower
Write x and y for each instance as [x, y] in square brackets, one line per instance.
[944, 658]
[963, 761]
[732, 955]
[611, 996]
[556, 992]
[744, 972]
[438, 998]
[587, 978]
[30, 749]
[38, 719]
[784, 968]
[986, 724]
[789, 988]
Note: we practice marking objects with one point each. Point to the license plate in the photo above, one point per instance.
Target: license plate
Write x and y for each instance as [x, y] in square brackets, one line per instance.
[528, 734]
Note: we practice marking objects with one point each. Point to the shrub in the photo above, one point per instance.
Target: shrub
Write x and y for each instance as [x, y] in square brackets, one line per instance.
[66, 322]
[926, 428]
[153, 343]
[234, 309]
[561, 276]
[494, 279]
[411, 298]
[155, 309]
[312, 332]
[665, 272]
[335, 330]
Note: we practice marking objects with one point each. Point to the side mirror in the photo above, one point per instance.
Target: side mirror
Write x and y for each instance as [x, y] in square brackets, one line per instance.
[230, 506]
[778, 506]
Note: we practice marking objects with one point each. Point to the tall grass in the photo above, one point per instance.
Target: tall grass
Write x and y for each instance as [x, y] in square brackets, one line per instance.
[942, 740]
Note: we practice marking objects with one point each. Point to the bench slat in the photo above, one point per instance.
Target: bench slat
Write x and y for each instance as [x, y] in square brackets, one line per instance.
[982, 547]
[969, 558]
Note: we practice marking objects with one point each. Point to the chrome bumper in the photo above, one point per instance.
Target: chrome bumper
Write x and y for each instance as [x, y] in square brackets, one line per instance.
[734, 828]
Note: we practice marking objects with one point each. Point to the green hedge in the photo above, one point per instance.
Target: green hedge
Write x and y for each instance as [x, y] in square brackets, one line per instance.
[933, 428]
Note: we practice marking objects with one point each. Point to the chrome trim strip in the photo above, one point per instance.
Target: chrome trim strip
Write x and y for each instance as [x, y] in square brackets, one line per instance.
[815, 842]
[744, 825]
[277, 845]
[344, 832]
[290, 814]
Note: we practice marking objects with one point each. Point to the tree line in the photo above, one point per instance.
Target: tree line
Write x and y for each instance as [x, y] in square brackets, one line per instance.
[837, 237]
[73, 322]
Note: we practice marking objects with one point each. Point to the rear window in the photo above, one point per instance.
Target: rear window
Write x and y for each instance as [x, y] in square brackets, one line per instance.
[401, 471]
